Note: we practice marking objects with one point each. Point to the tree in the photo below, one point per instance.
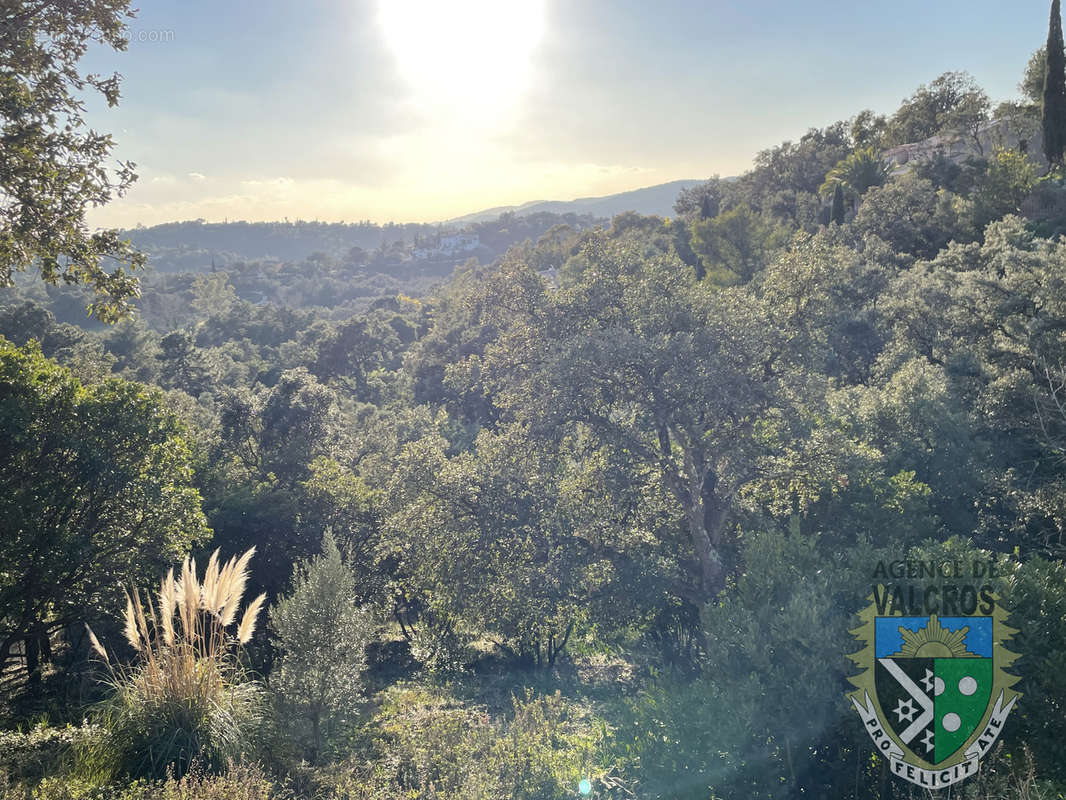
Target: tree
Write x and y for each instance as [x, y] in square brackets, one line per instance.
[867, 129]
[182, 364]
[836, 214]
[702, 201]
[268, 445]
[775, 658]
[993, 316]
[513, 539]
[51, 168]
[1054, 114]
[912, 216]
[854, 175]
[1032, 85]
[95, 490]
[322, 637]
[736, 244]
[952, 101]
[668, 374]
[1007, 181]
[27, 320]
[351, 352]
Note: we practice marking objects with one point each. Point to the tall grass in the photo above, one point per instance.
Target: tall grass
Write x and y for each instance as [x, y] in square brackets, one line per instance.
[185, 699]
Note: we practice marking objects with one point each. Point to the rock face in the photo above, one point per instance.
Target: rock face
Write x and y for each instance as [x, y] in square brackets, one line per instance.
[1008, 134]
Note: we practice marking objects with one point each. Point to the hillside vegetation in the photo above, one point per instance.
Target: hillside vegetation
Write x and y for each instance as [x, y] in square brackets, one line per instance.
[592, 510]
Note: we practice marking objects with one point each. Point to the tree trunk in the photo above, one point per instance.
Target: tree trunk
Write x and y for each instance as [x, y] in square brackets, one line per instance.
[706, 515]
[33, 662]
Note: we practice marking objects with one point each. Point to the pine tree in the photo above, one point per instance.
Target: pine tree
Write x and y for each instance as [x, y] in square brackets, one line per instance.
[322, 636]
[837, 214]
[1054, 118]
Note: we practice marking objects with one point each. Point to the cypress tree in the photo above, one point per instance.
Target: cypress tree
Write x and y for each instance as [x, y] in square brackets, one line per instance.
[1054, 117]
[837, 214]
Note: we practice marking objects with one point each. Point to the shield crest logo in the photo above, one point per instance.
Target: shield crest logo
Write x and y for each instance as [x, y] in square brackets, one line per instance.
[934, 693]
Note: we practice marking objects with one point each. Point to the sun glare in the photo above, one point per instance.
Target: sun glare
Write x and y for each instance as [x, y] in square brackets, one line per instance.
[464, 56]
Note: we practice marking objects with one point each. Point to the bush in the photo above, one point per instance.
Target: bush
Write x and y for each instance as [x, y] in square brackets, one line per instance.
[242, 782]
[32, 755]
[422, 745]
[188, 700]
[437, 646]
[322, 637]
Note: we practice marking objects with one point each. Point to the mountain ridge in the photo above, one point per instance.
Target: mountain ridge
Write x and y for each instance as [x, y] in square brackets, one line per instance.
[658, 199]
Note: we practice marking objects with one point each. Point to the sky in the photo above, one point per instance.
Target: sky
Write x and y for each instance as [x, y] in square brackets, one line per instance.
[424, 110]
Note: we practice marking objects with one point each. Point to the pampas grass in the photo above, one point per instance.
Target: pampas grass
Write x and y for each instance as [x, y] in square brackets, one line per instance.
[185, 699]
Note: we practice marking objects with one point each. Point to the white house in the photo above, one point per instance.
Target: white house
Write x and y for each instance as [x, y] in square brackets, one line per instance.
[450, 244]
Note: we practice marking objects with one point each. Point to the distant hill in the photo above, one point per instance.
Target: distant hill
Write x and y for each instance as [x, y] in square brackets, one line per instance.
[649, 200]
[193, 246]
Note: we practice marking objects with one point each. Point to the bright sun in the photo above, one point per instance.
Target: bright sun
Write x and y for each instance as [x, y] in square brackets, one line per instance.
[463, 56]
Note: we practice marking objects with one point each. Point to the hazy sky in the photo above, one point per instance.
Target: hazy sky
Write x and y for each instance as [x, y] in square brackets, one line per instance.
[420, 110]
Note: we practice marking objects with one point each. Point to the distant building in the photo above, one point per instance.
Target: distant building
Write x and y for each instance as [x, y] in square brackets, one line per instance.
[459, 243]
[448, 245]
[1024, 135]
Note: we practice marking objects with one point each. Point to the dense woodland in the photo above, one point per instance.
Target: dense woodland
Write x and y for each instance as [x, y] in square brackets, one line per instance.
[197, 246]
[601, 508]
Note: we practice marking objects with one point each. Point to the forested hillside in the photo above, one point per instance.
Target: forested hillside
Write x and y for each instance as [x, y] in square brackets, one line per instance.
[592, 515]
[196, 246]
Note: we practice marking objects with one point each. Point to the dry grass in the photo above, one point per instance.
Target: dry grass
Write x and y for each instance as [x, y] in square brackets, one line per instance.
[185, 698]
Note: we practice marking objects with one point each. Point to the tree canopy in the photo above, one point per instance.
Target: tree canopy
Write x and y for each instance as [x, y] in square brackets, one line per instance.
[52, 169]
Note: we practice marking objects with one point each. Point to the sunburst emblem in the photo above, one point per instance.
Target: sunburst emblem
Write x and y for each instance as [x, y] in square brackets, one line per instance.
[934, 641]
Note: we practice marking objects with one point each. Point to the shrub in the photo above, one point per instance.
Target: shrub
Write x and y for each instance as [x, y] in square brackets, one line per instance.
[242, 782]
[322, 637]
[187, 700]
[31, 755]
[437, 645]
[422, 745]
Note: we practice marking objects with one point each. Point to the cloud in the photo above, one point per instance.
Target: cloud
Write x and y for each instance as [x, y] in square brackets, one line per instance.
[199, 177]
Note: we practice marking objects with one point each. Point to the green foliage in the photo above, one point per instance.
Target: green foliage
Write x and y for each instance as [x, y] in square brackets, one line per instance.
[28, 757]
[1008, 180]
[1032, 85]
[321, 637]
[352, 352]
[785, 180]
[836, 211]
[1036, 594]
[1054, 107]
[96, 490]
[913, 217]
[424, 746]
[736, 244]
[997, 330]
[700, 202]
[51, 167]
[241, 782]
[657, 459]
[501, 540]
[953, 102]
[436, 644]
[860, 171]
[151, 736]
[765, 719]
[666, 374]
[338, 502]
